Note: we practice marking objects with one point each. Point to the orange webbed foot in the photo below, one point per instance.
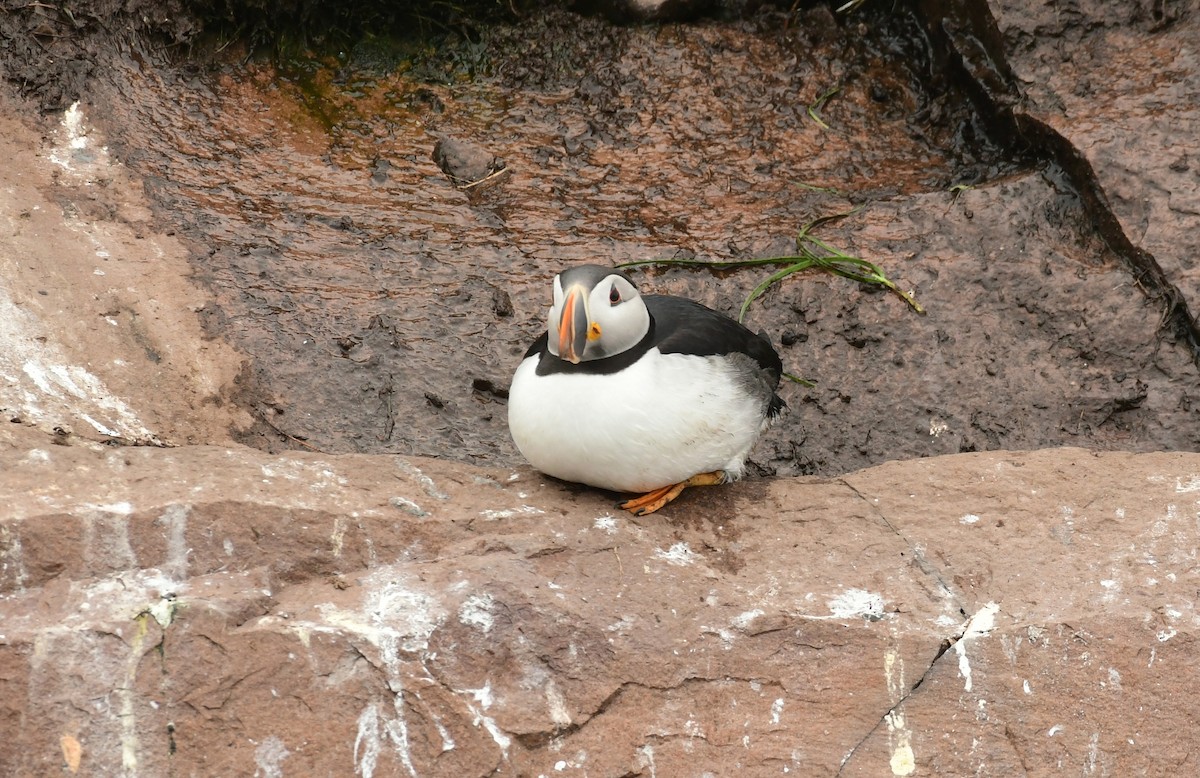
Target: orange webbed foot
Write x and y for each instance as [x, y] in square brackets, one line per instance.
[650, 502]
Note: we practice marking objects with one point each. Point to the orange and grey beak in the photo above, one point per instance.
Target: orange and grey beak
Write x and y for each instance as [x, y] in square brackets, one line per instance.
[573, 328]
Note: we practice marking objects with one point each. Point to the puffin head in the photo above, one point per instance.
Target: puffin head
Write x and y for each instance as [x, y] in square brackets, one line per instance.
[597, 313]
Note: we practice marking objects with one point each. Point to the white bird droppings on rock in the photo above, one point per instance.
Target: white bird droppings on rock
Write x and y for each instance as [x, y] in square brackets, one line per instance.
[679, 555]
[476, 611]
[508, 513]
[857, 602]
[605, 523]
[978, 625]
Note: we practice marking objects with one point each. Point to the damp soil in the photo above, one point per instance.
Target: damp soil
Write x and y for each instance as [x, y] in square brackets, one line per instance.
[382, 306]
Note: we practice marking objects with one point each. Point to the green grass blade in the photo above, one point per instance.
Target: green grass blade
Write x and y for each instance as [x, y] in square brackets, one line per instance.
[778, 275]
[711, 264]
[811, 252]
[819, 104]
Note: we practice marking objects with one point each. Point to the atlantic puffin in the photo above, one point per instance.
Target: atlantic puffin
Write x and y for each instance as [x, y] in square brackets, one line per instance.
[647, 394]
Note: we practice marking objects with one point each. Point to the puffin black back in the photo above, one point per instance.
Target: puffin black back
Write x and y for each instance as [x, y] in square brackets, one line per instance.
[714, 334]
[692, 328]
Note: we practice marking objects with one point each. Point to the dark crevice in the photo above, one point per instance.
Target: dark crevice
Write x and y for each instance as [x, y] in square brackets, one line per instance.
[965, 632]
[1143, 265]
[942, 649]
[541, 738]
[535, 740]
[1016, 747]
[967, 43]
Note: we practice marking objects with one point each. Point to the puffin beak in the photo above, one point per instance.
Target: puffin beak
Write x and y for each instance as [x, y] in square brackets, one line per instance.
[573, 326]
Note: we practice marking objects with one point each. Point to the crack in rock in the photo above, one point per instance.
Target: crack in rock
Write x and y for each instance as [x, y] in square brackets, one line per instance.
[971, 45]
[542, 738]
[980, 623]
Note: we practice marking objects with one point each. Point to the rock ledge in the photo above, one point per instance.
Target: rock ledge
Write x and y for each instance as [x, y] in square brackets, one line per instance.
[208, 610]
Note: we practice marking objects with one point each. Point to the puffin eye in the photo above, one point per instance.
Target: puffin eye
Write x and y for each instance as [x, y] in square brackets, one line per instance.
[614, 296]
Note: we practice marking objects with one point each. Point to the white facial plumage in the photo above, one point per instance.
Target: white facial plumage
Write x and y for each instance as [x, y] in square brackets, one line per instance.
[592, 319]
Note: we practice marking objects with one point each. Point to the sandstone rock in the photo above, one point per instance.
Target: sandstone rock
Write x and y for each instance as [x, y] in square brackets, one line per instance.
[213, 610]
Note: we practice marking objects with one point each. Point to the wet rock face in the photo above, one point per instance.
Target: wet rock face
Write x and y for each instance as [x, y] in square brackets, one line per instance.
[1126, 85]
[224, 611]
[374, 296]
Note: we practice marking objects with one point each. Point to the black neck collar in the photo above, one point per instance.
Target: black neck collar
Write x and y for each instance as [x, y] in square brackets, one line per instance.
[550, 364]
